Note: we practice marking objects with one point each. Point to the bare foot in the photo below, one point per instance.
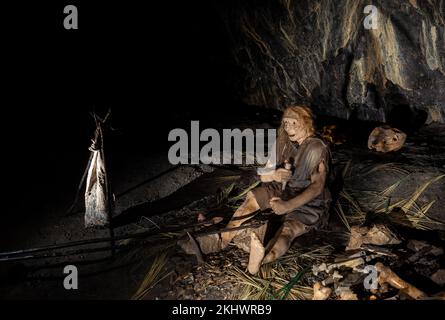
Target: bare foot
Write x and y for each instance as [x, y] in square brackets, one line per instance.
[256, 254]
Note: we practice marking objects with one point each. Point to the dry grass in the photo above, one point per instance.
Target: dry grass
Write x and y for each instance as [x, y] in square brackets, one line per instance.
[283, 279]
[405, 211]
[387, 167]
[407, 206]
[346, 169]
[339, 210]
[243, 194]
[349, 210]
[277, 287]
[155, 274]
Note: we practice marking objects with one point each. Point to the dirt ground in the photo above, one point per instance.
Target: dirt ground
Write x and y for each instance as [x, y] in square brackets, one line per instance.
[162, 200]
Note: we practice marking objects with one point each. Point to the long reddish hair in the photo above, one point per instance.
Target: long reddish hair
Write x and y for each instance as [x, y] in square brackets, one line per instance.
[302, 114]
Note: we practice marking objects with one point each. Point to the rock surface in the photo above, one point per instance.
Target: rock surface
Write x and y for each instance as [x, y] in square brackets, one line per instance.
[377, 235]
[320, 53]
[439, 277]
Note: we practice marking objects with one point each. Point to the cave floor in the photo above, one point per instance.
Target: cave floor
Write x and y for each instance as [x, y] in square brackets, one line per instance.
[155, 267]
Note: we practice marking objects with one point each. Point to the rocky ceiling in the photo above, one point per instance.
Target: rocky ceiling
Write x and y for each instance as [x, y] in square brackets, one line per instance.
[320, 52]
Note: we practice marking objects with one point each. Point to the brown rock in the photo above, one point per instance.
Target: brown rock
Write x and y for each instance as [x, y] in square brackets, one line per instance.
[416, 245]
[378, 235]
[439, 277]
[208, 244]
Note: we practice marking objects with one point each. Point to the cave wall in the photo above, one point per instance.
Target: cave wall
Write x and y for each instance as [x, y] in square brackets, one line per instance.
[318, 52]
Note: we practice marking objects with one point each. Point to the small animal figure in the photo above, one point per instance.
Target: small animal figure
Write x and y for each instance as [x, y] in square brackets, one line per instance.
[386, 139]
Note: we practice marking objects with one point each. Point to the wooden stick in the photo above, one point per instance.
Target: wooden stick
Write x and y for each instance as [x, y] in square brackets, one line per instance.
[79, 188]
[85, 173]
[122, 237]
[109, 193]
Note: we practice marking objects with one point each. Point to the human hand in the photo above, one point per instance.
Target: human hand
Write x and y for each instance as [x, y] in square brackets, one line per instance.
[282, 175]
[279, 206]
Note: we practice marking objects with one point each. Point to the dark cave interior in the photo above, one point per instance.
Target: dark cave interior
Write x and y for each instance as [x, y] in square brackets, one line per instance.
[227, 64]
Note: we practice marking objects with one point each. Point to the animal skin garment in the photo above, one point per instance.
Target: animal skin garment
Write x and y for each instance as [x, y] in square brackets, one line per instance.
[96, 197]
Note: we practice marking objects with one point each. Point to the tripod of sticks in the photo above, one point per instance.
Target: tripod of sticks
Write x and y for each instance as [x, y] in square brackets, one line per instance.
[98, 194]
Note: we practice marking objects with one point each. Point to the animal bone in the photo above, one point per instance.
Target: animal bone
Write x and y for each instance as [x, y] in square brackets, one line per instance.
[386, 275]
[320, 292]
[320, 268]
[353, 261]
[386, 139]
[377, 251]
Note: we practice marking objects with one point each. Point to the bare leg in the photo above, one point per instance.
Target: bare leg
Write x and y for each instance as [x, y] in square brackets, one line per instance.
[249, 205]
[256, 254]
[280, 243]
[287, 234]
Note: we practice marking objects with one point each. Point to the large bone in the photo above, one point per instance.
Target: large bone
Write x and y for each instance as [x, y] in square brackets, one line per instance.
[386, 275]
[353, 262]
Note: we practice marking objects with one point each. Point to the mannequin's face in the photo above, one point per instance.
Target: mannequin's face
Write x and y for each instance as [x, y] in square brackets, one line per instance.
[294, 129]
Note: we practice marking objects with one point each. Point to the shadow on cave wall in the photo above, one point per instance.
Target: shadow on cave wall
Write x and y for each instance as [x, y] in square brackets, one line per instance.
[319, 53]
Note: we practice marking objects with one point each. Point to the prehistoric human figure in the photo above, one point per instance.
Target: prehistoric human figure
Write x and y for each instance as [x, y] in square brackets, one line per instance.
[299, 194]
